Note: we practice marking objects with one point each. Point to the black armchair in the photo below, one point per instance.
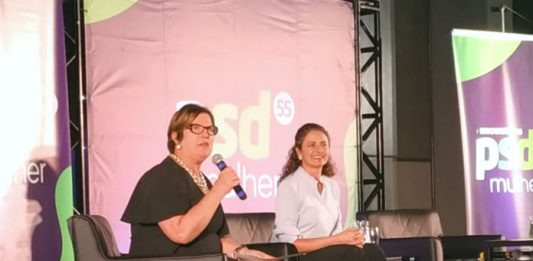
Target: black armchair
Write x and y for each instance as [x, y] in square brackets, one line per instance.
[93, 240]
[466, 247]
[418, 233]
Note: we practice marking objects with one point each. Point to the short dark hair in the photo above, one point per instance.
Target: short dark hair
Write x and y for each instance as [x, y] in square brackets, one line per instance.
[182, 119]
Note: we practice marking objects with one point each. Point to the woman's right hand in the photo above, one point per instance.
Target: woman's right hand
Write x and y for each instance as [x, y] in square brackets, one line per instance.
[351, 236]
[255, 253]
[227, 180]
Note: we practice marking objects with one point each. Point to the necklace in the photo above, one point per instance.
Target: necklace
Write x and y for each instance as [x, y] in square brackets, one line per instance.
[199, 179]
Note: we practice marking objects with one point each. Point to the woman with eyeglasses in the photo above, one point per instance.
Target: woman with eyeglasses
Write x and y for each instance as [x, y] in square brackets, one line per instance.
[174, 209]
[308, 204]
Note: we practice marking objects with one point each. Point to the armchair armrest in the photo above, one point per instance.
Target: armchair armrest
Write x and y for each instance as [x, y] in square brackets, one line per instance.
[421, 248]
[275, 249]
[460, 247]
[214, 257]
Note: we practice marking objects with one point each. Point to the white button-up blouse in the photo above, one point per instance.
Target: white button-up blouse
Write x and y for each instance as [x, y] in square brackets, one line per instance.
[302, 212]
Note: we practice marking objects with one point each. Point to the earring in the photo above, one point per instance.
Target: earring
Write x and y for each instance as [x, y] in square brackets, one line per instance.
[178, 146]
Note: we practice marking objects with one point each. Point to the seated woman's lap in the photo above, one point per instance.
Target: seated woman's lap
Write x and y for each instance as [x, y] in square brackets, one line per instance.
[373, 252]
[340, 252]
[345, 253]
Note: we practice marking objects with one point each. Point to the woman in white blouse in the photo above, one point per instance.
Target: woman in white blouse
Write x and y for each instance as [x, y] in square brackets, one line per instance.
[308, 204]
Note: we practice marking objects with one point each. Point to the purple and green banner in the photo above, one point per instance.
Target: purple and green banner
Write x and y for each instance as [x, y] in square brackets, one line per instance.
[35, 172]
[494, 74]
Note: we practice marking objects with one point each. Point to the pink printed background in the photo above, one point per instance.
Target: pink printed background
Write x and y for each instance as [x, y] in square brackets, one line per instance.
[234, 57]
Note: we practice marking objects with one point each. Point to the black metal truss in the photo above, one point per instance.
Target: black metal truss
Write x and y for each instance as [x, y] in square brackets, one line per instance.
[370, 100]
[74, 48]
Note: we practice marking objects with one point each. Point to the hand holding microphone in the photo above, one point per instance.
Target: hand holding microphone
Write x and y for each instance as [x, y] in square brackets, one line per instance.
[221, 165]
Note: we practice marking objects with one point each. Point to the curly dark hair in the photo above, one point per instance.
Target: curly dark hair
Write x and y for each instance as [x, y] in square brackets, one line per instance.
[292, 157]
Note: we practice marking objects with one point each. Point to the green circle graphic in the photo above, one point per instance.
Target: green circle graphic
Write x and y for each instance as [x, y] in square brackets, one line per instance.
[99, 10]
[476, 55]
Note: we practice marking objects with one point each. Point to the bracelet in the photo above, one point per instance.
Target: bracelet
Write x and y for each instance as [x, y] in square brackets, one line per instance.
[237, 250]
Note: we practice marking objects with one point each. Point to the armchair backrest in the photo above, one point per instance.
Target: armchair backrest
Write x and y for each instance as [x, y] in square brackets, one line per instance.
[254, 230]
[406, 223]
[409, 233]
[246, 228]
[92, 238]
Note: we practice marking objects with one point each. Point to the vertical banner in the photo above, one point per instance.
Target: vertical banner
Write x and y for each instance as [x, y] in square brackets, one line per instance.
[35, 173]
[494, 74]
[263, 67]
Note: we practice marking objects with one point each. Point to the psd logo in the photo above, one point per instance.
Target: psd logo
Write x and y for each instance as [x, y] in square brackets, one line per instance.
[508, 153]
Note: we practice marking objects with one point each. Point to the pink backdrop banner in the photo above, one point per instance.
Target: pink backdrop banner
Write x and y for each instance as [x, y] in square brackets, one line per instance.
[263, 67]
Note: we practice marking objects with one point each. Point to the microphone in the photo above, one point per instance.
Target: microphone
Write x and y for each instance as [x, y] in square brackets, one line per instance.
[221, 165]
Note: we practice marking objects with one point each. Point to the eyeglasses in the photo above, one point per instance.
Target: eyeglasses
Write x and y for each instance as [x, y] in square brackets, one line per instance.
[199, 129]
